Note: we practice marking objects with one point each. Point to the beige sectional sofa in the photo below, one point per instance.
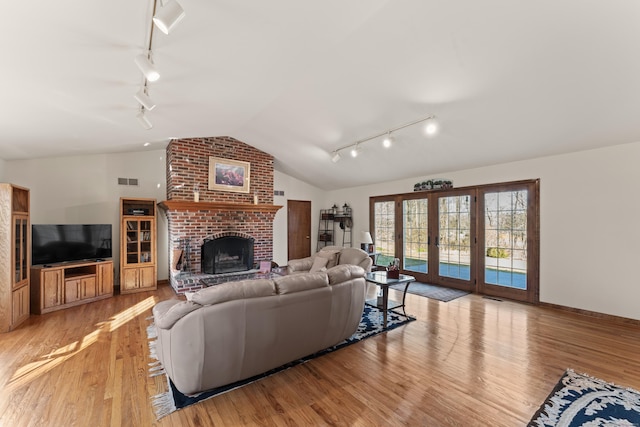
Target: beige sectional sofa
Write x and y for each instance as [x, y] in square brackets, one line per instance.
[235, 330]
[330, 256]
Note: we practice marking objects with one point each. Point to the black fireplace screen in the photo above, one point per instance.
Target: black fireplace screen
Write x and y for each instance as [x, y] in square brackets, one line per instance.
[226, 255]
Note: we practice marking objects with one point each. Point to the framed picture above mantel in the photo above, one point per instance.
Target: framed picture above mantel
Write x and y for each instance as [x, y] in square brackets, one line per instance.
[229, 175]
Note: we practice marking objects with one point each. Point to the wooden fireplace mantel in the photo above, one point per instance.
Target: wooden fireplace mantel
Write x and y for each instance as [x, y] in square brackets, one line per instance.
[188, 205]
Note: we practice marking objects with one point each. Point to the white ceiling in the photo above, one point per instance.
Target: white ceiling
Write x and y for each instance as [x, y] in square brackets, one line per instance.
[508, 80]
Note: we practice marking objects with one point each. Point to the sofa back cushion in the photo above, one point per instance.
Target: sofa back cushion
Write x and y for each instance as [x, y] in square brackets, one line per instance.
[355, 256]
[229, 291]
[165, 319]
[301, 282]
[343, 272]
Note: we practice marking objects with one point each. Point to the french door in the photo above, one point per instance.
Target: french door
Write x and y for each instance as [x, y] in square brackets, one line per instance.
[508, 236]
[480, 239]
[436, 237]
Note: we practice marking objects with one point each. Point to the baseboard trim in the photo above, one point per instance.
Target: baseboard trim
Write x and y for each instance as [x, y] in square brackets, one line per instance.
[608, 317]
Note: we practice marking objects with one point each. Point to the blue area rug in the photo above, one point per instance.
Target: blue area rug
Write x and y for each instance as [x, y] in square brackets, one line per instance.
[580, 400]
[172, 400]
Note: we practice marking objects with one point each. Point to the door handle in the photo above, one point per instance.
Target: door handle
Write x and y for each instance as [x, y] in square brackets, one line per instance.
[437, 242]
[307, 237]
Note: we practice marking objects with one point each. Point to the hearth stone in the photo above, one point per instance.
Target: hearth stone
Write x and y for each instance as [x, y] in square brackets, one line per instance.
[191, 282]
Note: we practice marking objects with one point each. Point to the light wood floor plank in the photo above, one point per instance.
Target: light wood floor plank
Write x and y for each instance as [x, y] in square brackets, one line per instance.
[472, 361]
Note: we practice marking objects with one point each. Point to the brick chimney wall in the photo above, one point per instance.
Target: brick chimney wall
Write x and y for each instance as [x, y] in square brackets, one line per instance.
[188, 166]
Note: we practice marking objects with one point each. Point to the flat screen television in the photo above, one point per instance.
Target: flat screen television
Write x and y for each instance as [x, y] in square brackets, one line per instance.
[51, 243]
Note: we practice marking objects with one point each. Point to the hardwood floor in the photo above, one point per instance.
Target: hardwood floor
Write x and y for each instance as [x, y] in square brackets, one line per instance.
[471, 361]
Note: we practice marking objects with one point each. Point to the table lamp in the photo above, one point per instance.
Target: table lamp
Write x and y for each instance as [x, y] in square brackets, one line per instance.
[367, 241]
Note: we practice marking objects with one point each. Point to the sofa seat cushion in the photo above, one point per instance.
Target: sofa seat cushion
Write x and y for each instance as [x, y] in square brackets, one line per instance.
[229, 291]
[301, 282]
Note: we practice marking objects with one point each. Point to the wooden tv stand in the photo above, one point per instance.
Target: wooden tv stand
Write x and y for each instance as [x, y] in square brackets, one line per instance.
[58, 286]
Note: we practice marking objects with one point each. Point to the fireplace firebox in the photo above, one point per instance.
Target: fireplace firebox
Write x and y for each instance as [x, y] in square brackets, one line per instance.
[227, 254]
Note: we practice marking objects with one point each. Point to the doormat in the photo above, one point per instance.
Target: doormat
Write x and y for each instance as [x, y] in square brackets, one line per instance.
[581, 400]
[172, 400]
[431, 291]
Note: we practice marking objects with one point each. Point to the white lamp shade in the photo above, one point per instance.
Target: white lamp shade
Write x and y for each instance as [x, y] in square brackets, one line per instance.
[366, 237]
[168, 16]
[147, 68]
[144, 100]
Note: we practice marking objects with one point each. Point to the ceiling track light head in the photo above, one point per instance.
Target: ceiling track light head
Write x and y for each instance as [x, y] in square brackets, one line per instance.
[431, 126]
[168, 16]
[335, 157]
[143, 120]
[147, 68]
[388, 140]
[144, 100]
[355, 150]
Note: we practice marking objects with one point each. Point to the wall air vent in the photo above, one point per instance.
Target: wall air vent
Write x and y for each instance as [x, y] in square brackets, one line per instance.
[128, 181]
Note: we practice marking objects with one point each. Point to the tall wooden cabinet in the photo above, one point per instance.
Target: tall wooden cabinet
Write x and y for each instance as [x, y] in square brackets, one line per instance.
[15, 253]
[138, 265]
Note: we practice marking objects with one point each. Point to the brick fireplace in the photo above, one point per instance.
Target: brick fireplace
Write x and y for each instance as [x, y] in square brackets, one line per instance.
[217, 213]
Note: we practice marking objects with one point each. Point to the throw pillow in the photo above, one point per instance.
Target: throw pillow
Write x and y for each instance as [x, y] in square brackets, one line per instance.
[319, 264]
[331, 255]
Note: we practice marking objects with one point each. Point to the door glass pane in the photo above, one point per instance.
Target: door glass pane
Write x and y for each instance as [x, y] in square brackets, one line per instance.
[145, 241]
[415, 235]
[506, 238]
[132, 242]
[17, 251]
[384, 230]
[454, 234]
[23, 245]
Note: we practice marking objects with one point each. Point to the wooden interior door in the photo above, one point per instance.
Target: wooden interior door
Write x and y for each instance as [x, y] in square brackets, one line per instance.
[298, 229]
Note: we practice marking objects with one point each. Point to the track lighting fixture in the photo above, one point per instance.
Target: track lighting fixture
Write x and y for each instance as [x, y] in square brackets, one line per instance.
[144, 100]
[168, 16]
[165, 17]
[143, 120]
[388, 140]
[147, 68]
[431, 128]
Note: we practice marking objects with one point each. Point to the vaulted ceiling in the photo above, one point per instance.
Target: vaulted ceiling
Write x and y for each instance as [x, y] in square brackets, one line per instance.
[508, 80]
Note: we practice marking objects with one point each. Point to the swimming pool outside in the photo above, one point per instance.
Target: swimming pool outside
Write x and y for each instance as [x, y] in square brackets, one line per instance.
[493, 276]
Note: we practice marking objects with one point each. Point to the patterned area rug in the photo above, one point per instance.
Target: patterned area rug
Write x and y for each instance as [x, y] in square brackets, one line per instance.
[172, 400]
[580, 400]
[432, 291]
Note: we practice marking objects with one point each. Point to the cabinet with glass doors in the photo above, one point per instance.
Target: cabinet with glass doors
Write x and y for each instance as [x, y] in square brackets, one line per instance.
[138, 245]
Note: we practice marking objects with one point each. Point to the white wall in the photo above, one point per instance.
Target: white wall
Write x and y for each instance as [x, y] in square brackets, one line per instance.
[294, 189]
[2, 178]
[589, 232]
[588, 210]
[84, 189]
